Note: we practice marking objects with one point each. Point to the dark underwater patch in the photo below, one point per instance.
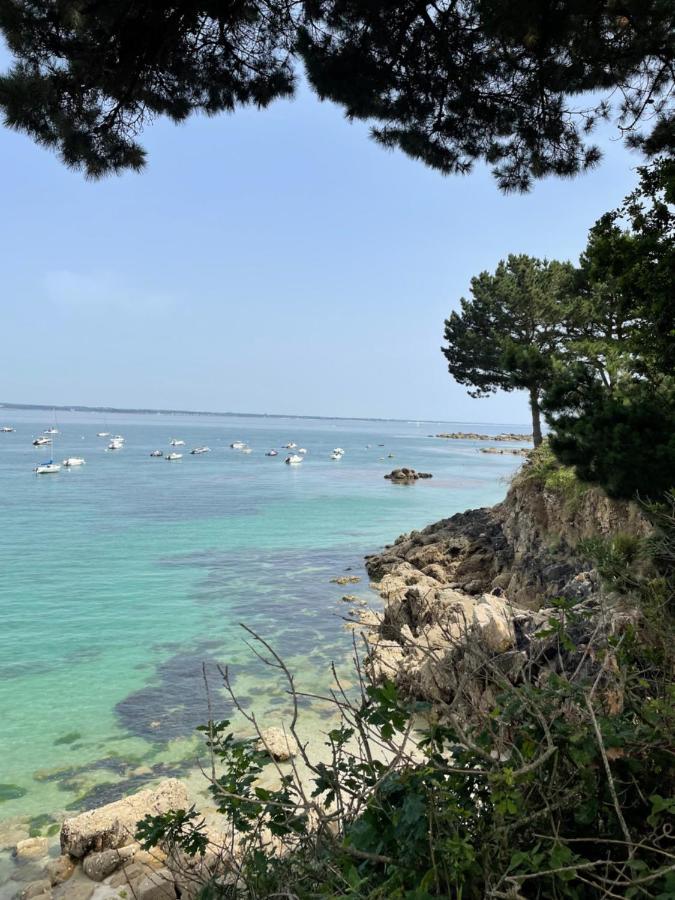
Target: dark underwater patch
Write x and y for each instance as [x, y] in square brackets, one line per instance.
[176, 704]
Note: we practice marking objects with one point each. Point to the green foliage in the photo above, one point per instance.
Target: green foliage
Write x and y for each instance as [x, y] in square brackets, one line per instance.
[560, 789]
[611, 403]
[447, 83]
[544, 469]
[451, 83]
[508, 335]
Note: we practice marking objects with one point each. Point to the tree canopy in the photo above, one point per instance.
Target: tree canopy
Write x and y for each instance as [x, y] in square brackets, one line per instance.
[450, 83]
[507, 336]
[611, 403]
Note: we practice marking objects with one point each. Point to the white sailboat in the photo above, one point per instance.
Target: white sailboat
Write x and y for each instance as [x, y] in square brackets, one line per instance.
[47, 468]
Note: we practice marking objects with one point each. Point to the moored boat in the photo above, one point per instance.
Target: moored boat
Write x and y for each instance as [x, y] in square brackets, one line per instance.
[272, 453]
[48, 468]
[74, 461]
[238, 445]
[41, 441]
[116, 444]
[157, 453]
[176, 443]
[198, 450]
[7, 429]
[293, 459]
[173, 456]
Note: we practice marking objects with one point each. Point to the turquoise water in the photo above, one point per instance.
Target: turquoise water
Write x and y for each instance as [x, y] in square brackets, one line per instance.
[120, 579]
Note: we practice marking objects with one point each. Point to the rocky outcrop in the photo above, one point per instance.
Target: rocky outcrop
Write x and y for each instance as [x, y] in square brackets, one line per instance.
[406, 476]
[478, 587]
[505, 451]
[113, 826]
[525, 547]
[473, 436]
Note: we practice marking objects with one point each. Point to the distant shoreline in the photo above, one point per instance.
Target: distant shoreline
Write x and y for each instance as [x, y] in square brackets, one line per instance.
[48, 407]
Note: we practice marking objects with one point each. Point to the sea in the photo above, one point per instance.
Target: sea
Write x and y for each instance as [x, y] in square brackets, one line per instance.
[125, 583]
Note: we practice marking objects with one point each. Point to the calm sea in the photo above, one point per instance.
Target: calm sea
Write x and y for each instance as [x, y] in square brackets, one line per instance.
[121, 580]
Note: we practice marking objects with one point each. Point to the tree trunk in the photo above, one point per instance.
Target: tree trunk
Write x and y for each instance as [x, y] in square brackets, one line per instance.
[536, 416]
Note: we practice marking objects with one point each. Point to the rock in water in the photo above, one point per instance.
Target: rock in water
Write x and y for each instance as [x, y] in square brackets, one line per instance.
[32, 848]
[114, 825]
[279, 745]
[406, 476]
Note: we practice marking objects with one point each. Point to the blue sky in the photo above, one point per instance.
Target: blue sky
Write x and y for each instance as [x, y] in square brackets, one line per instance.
[275, 261]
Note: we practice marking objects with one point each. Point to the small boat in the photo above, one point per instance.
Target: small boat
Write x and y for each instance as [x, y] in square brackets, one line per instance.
[338, 453]
[238, 445]
[40, 442]
[118, 438]
[7, 429]
[290, 446]
[116, 444]
[102, 434]
[74, 461]
[157, 453]
[172, 456]
[48, 468]
[293, 459]
[272, 453]
[391, 456]
[51, 430]
[302, 450]
[198, 450]
[175, 443]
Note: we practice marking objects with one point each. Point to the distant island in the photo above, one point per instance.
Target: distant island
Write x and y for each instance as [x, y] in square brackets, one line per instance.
[472, 436]
[201, 412]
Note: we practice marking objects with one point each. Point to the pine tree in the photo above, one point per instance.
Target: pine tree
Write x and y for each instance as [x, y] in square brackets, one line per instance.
[509, 334]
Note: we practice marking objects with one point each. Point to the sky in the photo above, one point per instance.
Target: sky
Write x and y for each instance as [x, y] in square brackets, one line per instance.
[273, 261]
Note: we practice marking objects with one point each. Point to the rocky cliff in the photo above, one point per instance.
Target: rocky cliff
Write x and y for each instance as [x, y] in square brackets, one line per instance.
[480, 586]
[525, 547]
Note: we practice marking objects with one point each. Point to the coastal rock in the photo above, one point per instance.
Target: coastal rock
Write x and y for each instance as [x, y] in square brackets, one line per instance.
[35, 889]
[280, 745]
[502, 451]
[157, 885]
[406, 476]
[473, 436]
[114, 825]
[31, 848]
[466, 600]
[59, 870]
[98, 866]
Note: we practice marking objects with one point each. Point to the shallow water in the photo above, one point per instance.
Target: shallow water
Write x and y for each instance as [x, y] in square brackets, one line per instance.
[120, 579]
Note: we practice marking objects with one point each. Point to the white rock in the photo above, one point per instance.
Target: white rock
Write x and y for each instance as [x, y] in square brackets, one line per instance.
[32, 848]
[114, 825]
[279, 744]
